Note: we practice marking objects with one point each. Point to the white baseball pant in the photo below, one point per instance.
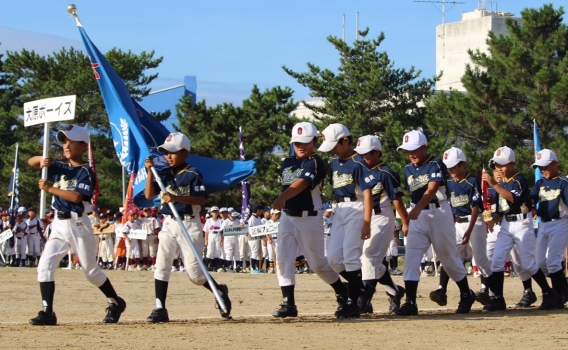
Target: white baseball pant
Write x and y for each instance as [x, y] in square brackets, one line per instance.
[7, 250]
[551, 245]
[393, 249]
[21, 245]
[305, 233]
[270, 250]
[133, 249]
[477, 243]
[75, 234]
[244, 249]
[434, 226]
[255, 248]
[33, 248]
[345, 245]
[148, 248]
[517, 238]
[106, 248]
[213, 245]
[375, 248]
[231, 248]
[171, 237]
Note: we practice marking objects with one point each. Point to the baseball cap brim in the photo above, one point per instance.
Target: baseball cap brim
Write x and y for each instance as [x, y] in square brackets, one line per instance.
[169, 148]
[451, 163]
[409, 147]
[327, 146]
[542, 163]
[72, 135]
[363, 150]
[301, 139]
[501, 161]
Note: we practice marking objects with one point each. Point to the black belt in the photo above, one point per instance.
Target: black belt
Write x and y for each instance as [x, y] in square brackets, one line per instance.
[461, 219]
[300, 213]
[339, 199]
[515, 217]
[428, 206]
[19, 237]
[377, 210]
[63, 215]
[103, 239]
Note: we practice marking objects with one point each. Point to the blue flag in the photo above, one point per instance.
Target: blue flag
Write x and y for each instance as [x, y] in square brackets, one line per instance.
[537, 148]
[136, 134]
[245, 187]
[14, 192]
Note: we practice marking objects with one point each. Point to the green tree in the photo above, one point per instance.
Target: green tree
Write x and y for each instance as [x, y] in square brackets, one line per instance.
[368, 94]
[30, 76]
[522, 78]
[266, 125]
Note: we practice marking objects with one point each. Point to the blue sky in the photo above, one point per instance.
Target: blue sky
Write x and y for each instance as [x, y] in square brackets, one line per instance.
[231, 45]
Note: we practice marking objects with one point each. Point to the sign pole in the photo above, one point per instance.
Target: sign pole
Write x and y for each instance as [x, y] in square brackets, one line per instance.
[46, 133]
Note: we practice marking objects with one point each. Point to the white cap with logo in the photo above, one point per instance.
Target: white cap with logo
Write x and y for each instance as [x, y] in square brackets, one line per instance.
[504, 155]
[175, 142]
[274, 211]
[304, 132]
[73, 133]
[223, 209]
[368, 143]
[413, 140]
[453, 157]
[214, 208]
[331, 135]
[544, 158]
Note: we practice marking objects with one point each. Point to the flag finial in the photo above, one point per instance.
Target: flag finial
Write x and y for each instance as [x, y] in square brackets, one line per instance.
[72, 9]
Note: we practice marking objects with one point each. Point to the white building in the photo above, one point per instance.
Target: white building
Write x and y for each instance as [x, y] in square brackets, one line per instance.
[453, 40]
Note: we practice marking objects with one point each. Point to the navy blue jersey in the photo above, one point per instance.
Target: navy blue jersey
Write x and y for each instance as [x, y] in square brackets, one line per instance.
[552, 196]
[387, 187]
[312, 170]
[465, 195]
[517, 185]
[417, 178]
[493, 194]
[350, 177]
[79, 179]
[184, 180]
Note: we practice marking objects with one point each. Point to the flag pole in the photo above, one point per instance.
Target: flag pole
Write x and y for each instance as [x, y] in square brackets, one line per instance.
[46, 131]
[192, 246]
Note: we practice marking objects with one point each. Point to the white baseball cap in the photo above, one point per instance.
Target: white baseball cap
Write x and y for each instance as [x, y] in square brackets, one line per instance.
[214, 208]
[304, 132]
[223, 209]
[22, 210]
[329, 209]
[175, 142]
[413, 140]
[331, 135]
[235, 214]
[504, 155]
[368, 143]
[274, 211]
[73, 133]
[544, 158]
[453, 156]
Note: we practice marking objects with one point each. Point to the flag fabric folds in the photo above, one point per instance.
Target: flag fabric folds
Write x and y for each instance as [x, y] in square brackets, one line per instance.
[96, 193]
[14, 192]
[245, 186]
[136, 134]
[537, 148]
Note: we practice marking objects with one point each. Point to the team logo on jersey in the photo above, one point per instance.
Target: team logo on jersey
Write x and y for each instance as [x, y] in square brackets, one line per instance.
[341, 180]
[369, 178]
[289, 176]
[550, 195]
[300, 131]
[406, 139]
[65, 184]
[503, 204]
[415, 183]
[459, 200]
[379, 188]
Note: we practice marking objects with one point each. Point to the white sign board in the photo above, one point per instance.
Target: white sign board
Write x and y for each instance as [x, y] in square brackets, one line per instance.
[49, 110]
[137, 234]
[261, 231]
[235, 231]
[4, 236]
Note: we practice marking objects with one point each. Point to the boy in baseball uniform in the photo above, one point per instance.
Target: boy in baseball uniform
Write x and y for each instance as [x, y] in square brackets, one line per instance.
[467, 205]
[231, 243]
[21, 234]
[149, 245]
[516, 232]
[431, 223]
[301, 226]
[213, 229]
[35, 228]
[186, 190]
[72, 185]
[551, 195]
[352, 215]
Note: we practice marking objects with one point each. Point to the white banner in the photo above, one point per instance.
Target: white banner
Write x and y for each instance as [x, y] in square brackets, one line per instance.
[49, 110]
[137, 234]
[266, 229]
[235, 231]
[4, 236]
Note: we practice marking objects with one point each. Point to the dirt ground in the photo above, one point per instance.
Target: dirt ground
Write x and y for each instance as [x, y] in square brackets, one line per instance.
[196, 324]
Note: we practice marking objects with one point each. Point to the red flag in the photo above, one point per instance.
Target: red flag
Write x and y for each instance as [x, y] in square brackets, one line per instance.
[129, 205]
[97, 192]
[486, 199]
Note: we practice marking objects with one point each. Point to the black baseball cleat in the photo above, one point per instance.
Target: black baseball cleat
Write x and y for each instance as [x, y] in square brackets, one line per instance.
[364, 301]
[286, 310]
[551, 300]
[44, 319]
[114, 311]
[527, 300]
[439, 297]
[348, 310]
[159, 315]
[496, 303]
[224, 290]
[407, 309]
[394, 301]
[482, 296]
[466, 301]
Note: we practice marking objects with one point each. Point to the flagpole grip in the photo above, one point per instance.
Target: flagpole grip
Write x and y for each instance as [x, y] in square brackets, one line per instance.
[188, 238]
[46, 128]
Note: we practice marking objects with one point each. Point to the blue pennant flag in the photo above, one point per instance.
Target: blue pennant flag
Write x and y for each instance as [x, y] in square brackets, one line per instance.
[136, 134]
[537, 148]
[14, 192]
[245, 186]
